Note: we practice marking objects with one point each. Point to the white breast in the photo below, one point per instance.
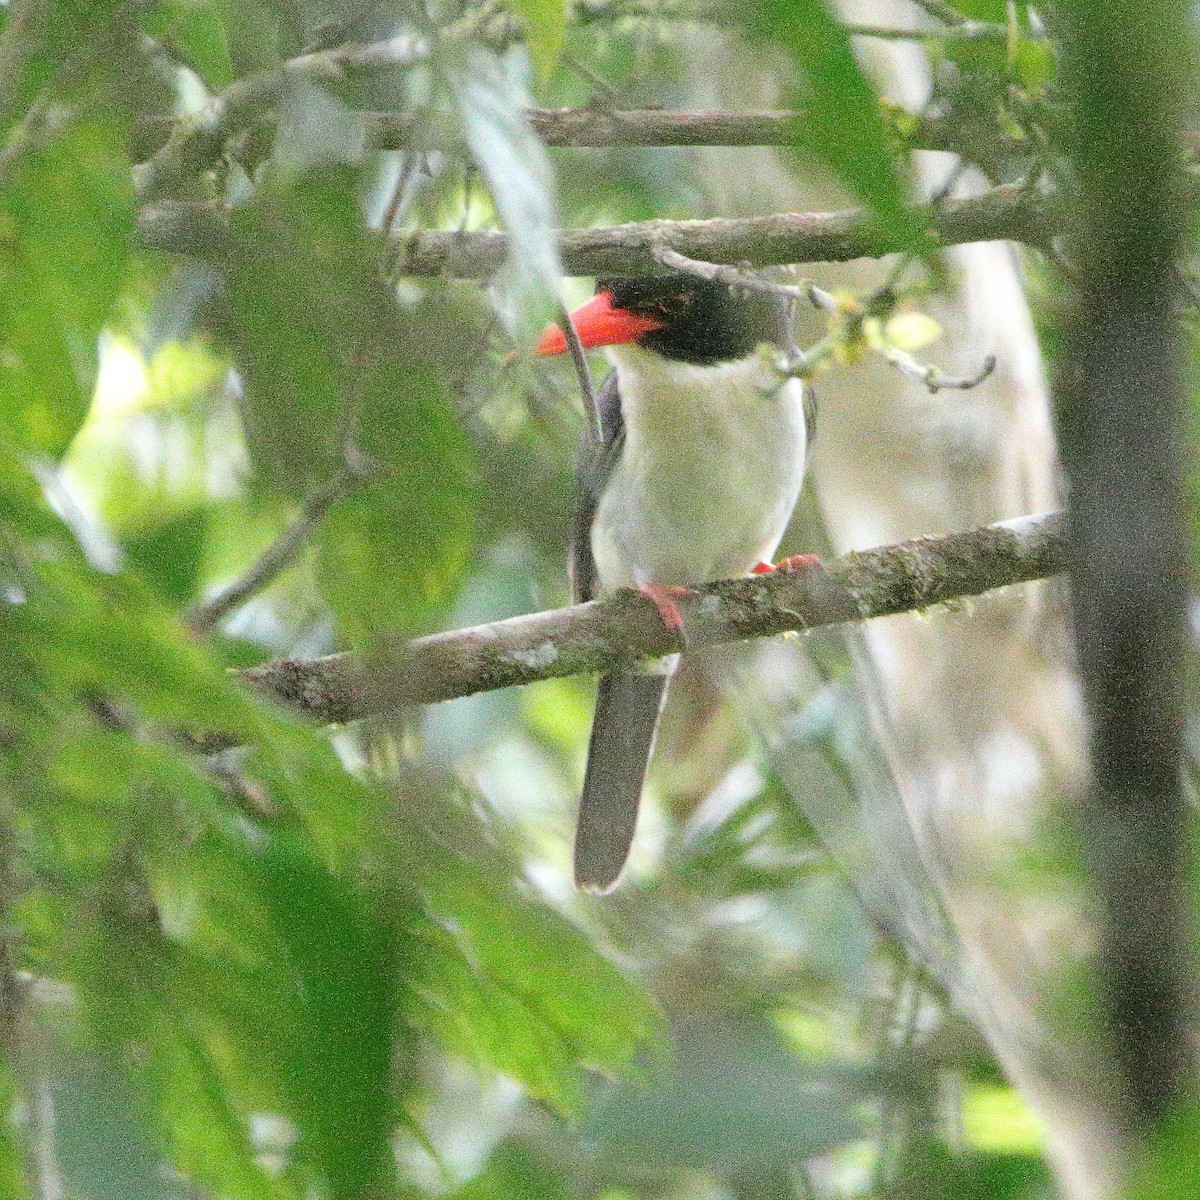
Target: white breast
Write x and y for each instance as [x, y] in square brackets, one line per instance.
[710, 473]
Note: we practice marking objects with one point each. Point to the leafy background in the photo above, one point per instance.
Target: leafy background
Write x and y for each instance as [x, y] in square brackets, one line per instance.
[348, 963]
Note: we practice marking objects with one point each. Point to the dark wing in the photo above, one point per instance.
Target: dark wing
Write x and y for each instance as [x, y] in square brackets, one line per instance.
[596, 465]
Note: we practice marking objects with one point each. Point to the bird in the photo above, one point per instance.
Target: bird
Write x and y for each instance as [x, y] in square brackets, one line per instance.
[699, 460]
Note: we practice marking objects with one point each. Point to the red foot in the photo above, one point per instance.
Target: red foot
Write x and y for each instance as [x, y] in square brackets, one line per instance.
[793, 563]
[663, 596]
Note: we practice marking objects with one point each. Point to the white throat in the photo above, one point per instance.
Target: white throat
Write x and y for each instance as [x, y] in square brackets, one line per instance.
[712, 466]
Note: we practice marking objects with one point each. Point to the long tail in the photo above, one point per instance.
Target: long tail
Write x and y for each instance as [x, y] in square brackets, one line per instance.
[627, 708]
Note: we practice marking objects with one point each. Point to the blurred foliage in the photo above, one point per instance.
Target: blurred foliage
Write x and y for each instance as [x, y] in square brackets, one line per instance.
[843, 123]
[348, 964]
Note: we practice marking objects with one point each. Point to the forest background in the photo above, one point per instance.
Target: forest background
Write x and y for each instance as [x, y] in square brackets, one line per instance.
[911, 909]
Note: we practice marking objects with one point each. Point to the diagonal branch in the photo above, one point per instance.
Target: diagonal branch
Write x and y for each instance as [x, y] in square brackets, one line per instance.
[1006, 213]
[202, 618]
[196, 142]
[941, 10]
[624, 627]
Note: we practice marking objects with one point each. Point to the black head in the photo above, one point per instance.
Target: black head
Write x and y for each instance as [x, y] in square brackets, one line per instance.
[702, 322]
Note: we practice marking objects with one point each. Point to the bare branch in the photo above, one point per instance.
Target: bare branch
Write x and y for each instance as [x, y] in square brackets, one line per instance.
[625, 627]
[581, 127]
[583, 373]
[932, 376]
[659, 127]
[201, 618]
[589, 11]
[731, 277]
[1004, 213]
[598, 127]
[940, 10]
[196, 142]
[966, 31]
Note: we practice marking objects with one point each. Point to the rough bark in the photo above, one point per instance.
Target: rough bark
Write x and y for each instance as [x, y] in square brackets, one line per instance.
[1004, 213]
[625, 627]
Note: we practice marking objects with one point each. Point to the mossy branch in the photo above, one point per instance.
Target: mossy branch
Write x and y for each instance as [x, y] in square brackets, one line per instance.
[625, 627]
[1004, 213]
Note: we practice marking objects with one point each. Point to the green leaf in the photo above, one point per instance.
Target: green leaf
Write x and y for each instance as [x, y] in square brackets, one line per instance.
[254, 33]
[1164, 1163]
[545, 31]
[302, 292]
[514, 985]
[66, 226]
[911, 331]
[12, 1182]
[186, 1037]
[513, 162]
[764, 845]
[333, 365]
[843, 123]
[48, 40]
[194, 31]
[257, 981]
[232, 969]
[514, 1172]
[168, 554]
[995, 11]
[338, 1063]
[391, 554]
[1034, 64]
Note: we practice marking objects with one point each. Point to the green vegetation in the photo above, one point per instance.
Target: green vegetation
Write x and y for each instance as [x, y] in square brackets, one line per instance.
[347, 963]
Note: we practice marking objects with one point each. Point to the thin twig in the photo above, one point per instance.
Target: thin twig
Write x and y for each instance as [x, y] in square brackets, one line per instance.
[202, 618]
[590, 11]
[731, 277]
[803, 364]
[404, 174]
[584, 374]
[942, 11]
[46, 116]
[197, 142]
[968, 31]
[607, 89]
[933, 377]
[624, 628]
[468, 187]
[937, 200]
